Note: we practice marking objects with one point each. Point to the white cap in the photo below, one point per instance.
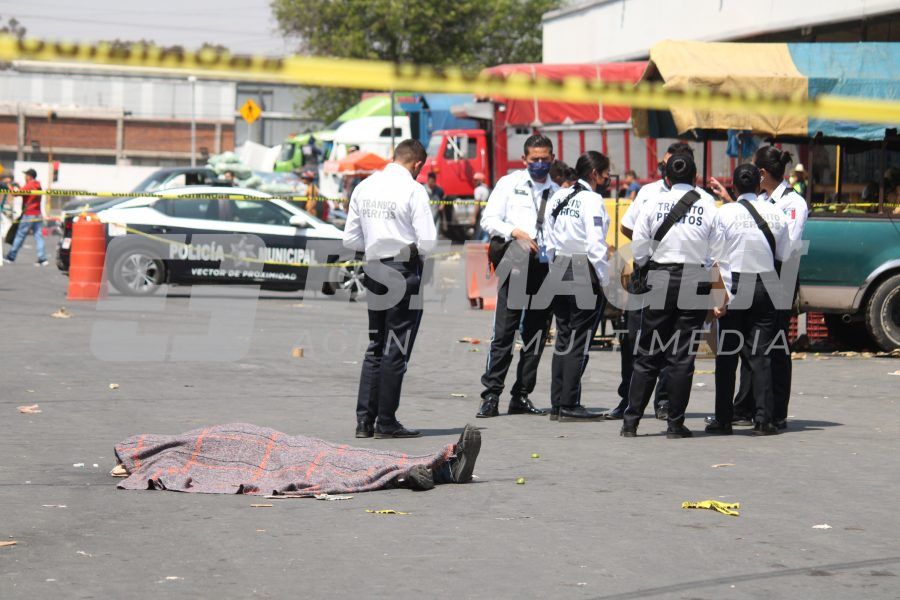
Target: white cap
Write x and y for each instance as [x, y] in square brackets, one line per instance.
[799, 168]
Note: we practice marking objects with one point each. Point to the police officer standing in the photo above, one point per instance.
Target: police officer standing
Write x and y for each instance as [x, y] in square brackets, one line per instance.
[754, 241]
[632, 317]
[514, 218]
[771, 163]
[682, 225]
[390, 219]
[577, 223]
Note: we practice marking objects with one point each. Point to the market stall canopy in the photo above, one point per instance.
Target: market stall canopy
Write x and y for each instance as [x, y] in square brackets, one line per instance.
[867, 70]
[356, 163]
[539, 112]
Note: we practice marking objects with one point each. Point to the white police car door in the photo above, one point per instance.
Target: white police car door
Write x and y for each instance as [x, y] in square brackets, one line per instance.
[238, 241]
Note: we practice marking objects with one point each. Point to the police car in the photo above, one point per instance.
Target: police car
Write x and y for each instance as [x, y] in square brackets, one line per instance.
[215, 235]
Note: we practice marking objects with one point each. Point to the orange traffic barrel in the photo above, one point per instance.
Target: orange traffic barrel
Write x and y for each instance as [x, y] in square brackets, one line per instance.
[481, 284]
[86, 258]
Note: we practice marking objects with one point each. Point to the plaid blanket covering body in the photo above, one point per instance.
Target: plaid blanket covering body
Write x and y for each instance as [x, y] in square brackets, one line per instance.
[240, 458]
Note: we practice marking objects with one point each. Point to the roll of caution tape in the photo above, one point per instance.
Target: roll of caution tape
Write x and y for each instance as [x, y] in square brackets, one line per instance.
[344, 73]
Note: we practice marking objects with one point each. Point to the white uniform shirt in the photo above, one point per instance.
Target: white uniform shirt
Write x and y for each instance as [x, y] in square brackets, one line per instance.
[693, 240]
[744, 247]
[648, 191]
[514, 204]
[580, 228]
[794, 207]
[389, 211]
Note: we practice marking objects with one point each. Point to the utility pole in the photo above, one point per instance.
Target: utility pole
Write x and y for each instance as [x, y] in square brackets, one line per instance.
[193, 82]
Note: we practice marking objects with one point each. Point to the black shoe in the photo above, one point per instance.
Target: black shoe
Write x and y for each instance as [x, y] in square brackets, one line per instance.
[523, 406]
[742, 421]
[419, 478]
[577, 413]
[678, 432]
[764, 429]
[364, 429]
[554, 413]
[615, 414]
[467, 449]
[628, 432]
[489, 408]
[718, 428]
[396, 432]
[663, 414]
[781, 425]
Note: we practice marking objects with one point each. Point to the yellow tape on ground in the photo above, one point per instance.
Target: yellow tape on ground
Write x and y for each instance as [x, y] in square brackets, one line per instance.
[345, 73]
[223, 196]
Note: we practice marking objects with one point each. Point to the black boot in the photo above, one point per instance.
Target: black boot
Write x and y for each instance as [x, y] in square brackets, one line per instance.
[523, 406]
[677, 432]
[577, 413]
[364, 429]
[554, 413]
[463, 463]
[764, 429]
[419, 478]
[715, 427]
[489, 408]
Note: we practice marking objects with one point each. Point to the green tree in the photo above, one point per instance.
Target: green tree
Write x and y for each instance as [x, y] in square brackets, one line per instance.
[467, 33]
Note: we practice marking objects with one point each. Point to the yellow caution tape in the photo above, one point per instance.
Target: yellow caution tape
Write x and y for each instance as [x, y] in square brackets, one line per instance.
[222, 196]
[345, 73]
[726, 508]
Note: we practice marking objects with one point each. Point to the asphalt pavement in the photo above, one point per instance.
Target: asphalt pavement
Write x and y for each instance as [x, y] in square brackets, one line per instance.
[598, 516]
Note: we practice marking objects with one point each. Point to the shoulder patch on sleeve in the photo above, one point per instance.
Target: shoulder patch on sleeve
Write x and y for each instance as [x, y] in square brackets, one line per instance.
[598, 221]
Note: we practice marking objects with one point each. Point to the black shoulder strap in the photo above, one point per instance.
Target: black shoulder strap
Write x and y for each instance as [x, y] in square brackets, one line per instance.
[761, 223]
[676, 214]
[540, 216]
[565, 202]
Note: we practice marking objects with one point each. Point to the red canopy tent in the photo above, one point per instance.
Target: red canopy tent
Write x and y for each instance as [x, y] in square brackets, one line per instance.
[540, 112]
[357, 162]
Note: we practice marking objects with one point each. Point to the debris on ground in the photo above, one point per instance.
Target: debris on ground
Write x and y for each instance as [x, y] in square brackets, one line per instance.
[4, 544]
[54, 506]
[720, 465]
[822, 526]
[261, 505]
[798, 355]
[297, 352]
[469, 340]
[173, 578]
[385, 511]
[332, 497]
[83, 553]
[512, 518]
[897, 372]
[30, 409]
[520, 481]
[474, 350]
[700, 384]
[535, 455]
[705, 372]
[726, 508]
[62, 313]
[114, 386]
[78, 465]
[457, 395]
[119, 471]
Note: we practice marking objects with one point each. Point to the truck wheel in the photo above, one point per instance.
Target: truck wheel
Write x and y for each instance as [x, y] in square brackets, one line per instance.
[883, 314]
[137, 272]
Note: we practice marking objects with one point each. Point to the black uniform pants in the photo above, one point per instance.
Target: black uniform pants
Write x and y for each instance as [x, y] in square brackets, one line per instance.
[392, 333]
[533, 324]
[627, 341]
[575, 328]
[666, 338]
[746, 333]
[782, 370]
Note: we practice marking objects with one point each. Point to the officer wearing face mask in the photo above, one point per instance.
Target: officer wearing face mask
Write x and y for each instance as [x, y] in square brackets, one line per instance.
[514, 218]
[577, 223]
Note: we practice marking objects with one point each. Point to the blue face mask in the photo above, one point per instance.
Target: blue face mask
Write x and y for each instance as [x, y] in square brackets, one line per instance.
[539, 170]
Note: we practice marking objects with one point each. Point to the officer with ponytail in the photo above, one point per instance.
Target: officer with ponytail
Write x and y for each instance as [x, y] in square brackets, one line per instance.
[774, 189]
[577, 223]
